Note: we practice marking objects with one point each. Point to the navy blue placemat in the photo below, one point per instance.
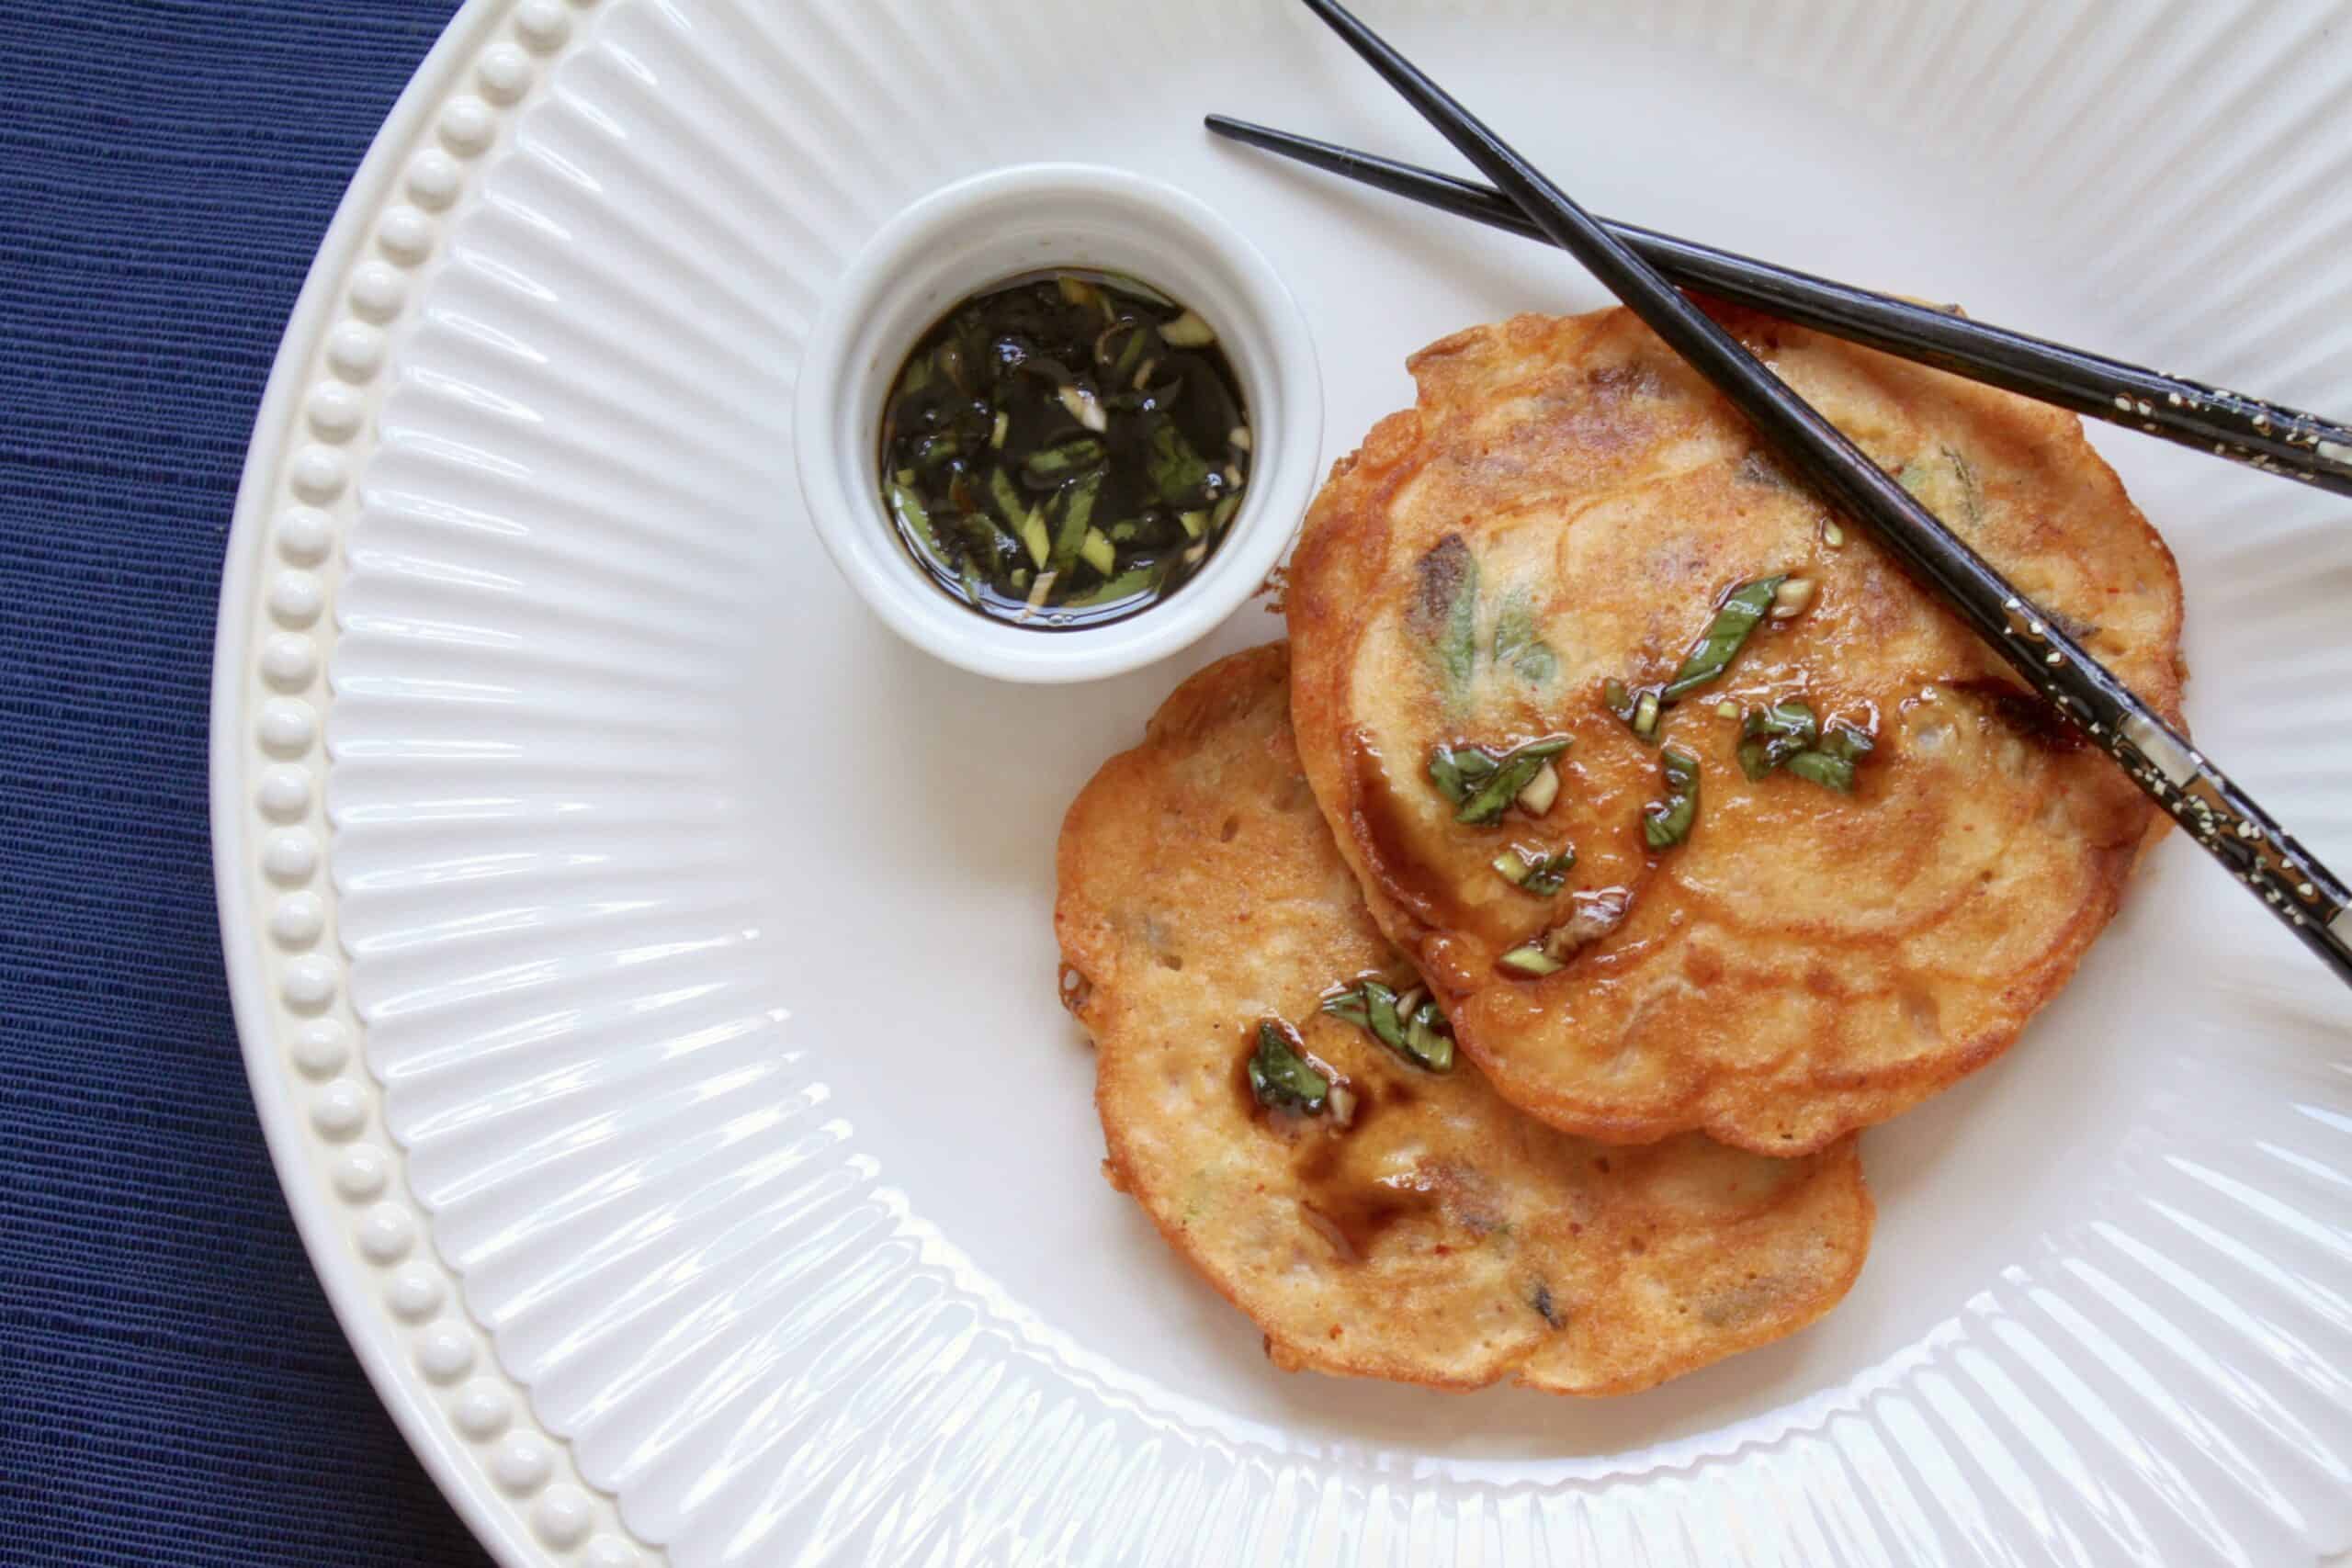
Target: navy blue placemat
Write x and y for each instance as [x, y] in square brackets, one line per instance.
[172, 1389]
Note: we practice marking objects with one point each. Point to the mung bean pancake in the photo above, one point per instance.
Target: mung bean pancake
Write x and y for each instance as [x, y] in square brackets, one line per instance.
[1410, 1225]
[1569, 567]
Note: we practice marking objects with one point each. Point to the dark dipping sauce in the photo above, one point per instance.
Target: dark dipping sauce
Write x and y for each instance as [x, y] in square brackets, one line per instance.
[1064, 449]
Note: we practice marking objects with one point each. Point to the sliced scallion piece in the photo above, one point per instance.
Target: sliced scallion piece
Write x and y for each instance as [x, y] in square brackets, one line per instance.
[1097, 551]
[1821, 767]
[1793, 598]
[1530, 961]
[1050, 465]
[1725, 635]
[1033, 534]
[1666, 823]
[1429, 1038]
[1846, 741]
[1413, 1025]
[1134, 581]
[1281, 1078]
[1787, 735]
[1178, 473]
[1380, 1014]
[1084, 407]
[1540, 792]
[1484, 799]
[1535, 871]
[1078, 515]
[1792, 717]
[1039, 591]
[1460, 770]
[913, 513]
[1638, 710]
[1188, 331]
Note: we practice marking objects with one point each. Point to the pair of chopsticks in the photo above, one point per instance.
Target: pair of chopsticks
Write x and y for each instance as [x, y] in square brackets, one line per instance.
[2268, 436]
[2303, 893]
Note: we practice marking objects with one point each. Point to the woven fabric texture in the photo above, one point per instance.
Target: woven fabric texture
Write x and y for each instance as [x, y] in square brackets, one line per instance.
[173, 1388]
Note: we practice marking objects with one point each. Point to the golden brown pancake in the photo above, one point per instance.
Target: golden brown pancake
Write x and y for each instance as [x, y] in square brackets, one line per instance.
[1429, 1233]
[1565, 506]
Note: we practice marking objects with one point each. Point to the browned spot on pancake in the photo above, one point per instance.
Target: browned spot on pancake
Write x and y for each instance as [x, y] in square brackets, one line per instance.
[1437, 583]
[2022, 714]
[1364, 1213]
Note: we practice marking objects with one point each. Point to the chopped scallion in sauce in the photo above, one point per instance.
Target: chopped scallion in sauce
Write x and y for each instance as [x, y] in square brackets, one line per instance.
[1064, 449]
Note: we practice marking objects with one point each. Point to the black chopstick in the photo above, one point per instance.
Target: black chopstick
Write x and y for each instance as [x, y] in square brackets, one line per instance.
[2268, 436]
[2300, 892]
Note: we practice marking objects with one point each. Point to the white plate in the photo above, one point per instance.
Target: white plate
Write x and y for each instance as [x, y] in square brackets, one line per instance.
[643, 958]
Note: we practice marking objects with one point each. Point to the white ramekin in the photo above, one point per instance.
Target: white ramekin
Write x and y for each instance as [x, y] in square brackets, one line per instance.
[995, 226]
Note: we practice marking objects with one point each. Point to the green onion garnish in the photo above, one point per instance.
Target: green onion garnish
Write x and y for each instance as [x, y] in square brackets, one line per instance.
[1666, 823]
[1188, 331]
[1412, 1025]
[1787, 735]
[1637, 709]
[1280, 1077]
[1483, 782]
[1720, 642]
[1532, 871]
[1775, 734]
[1821, 767]
[1529, 961]
[1846, 741]
[1097, 551]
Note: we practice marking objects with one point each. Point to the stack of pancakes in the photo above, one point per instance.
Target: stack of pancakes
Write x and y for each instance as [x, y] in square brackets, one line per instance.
[1641, 1158]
